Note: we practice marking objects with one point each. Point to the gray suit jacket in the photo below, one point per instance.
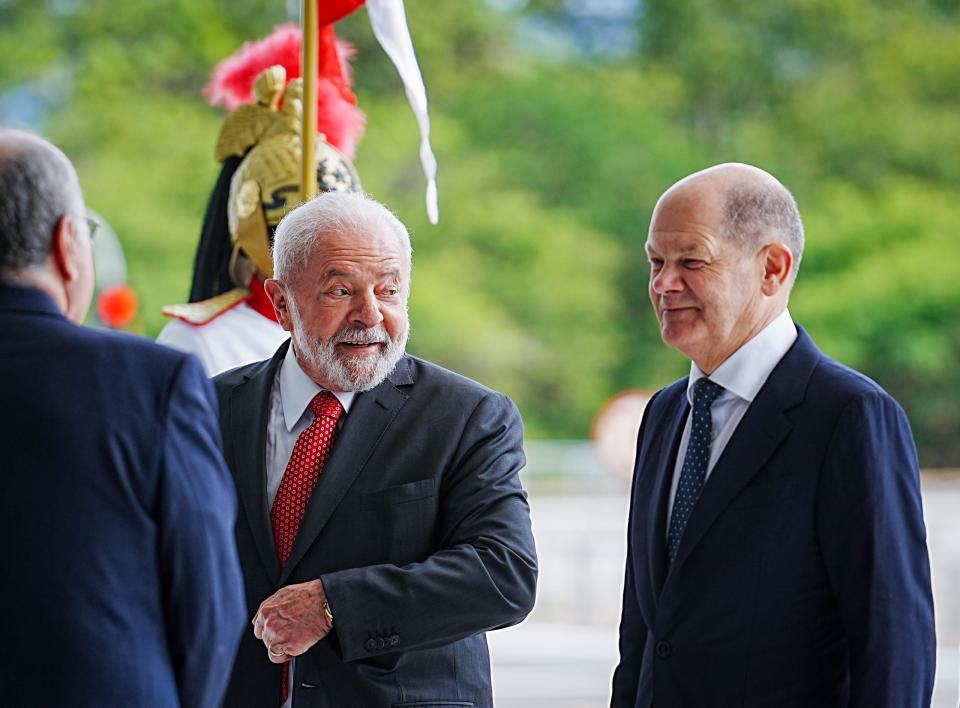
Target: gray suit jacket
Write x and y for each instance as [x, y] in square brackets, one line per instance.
[418, 528]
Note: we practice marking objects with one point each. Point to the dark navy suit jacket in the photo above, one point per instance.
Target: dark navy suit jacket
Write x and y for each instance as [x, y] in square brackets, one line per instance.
[418, 528]
[120, 583]
[802, 578]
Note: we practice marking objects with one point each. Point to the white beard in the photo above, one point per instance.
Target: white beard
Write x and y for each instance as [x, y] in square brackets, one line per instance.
[349, 373]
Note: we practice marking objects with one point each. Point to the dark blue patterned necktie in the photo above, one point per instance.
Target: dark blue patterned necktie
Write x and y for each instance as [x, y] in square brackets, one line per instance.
[695, 462]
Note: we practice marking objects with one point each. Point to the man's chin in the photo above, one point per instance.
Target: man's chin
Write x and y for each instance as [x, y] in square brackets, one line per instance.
[671, 335]
[677, 337]
[366, 373]
[360, 366]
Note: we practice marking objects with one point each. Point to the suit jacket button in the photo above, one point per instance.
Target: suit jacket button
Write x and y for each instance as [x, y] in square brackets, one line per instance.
[663, 648]
[381, 643]
[395, 640]
[371, 644]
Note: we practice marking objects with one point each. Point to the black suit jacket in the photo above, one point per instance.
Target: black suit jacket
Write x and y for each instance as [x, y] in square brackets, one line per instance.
[120, 582]
[418, 528]
[802, 578]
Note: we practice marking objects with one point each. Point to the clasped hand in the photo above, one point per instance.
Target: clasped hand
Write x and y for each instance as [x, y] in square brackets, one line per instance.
[292, 620]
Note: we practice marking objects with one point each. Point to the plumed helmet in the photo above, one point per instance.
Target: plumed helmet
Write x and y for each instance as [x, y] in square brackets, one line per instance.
[266, 184]
[260, 148]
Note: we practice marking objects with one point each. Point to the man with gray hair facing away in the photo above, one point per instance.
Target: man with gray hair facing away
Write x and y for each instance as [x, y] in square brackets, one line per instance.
[776, 547]
[120, 584]
[384, 527]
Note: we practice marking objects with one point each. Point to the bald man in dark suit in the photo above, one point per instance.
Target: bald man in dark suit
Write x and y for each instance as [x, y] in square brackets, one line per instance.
[777, 551]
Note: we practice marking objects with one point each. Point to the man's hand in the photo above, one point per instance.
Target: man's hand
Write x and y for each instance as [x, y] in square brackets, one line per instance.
[292, 620]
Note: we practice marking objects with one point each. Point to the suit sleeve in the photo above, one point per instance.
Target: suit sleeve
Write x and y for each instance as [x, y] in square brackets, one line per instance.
[633, 638]
[203, 587]
[633, 628]
[484, 574]
[871, 530]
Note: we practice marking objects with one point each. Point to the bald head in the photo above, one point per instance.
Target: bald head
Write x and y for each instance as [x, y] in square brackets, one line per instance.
[744, 204]
[723, 247]
[728, 173]
[38, 186]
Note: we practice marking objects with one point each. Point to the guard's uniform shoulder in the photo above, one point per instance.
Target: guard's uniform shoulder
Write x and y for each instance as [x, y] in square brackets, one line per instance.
[205, 311]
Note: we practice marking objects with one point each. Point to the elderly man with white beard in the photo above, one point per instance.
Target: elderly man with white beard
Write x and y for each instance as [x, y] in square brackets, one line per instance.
[384, 528]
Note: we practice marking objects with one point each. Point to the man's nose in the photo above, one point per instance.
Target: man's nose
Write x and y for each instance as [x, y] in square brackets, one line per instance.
[665, 280]
[366, 311]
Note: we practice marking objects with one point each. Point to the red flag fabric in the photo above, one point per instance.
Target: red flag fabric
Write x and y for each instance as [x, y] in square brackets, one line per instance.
[330, 11]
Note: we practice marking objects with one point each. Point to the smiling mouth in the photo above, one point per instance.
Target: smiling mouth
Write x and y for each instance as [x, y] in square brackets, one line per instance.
[360, 345]
[676, 314]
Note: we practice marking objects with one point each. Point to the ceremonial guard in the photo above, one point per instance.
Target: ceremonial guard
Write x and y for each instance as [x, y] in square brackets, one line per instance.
[229, 320]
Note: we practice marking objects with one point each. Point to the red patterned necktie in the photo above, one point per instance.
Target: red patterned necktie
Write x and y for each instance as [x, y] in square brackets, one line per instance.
[306, 462]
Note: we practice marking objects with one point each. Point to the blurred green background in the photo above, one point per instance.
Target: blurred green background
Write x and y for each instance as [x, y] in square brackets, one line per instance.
[557, 124]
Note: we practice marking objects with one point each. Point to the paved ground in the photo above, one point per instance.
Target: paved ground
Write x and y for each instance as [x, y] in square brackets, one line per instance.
[564, 654]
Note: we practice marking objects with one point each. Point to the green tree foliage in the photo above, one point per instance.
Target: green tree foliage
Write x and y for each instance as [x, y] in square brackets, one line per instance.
[551, 159]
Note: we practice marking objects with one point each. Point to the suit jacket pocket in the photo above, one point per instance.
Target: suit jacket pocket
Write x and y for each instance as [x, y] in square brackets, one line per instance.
[398, 494]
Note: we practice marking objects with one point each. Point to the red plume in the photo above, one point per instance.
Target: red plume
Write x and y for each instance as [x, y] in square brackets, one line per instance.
[338, 117]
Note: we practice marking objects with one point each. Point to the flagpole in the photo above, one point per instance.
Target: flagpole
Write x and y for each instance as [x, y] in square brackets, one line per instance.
[308, 63]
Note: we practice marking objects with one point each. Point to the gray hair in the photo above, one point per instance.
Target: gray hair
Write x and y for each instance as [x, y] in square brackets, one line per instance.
[329, 213]
[754, 215]
[38, 186]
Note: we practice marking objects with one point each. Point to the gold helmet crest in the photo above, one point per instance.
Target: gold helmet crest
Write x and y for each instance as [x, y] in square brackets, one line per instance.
[266, 184]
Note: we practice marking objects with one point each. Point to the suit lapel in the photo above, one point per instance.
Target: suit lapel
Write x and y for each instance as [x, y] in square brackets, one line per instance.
[759, 434]
[249, 411]
[663, 464]
[369, 417]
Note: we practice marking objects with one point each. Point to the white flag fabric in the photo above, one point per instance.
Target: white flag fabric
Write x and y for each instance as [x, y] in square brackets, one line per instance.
[389, 22]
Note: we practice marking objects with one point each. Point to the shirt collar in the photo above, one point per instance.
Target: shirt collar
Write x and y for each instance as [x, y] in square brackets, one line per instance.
[745, 371]
[297, 390]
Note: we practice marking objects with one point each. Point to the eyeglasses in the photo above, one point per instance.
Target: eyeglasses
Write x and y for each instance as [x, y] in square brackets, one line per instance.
[92, 225]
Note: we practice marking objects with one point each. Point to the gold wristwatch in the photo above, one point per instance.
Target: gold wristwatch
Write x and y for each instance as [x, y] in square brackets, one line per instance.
[327, 612]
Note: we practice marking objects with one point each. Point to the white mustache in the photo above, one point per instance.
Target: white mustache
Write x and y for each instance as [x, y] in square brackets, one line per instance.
[375, 335]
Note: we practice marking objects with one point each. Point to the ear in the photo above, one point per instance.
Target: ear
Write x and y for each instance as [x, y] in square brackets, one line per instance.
[65, 244]
[278, 296]
[777, 264]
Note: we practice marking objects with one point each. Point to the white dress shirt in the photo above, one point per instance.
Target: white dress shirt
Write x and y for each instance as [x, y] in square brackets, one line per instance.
[290, 415]
[742, 375]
